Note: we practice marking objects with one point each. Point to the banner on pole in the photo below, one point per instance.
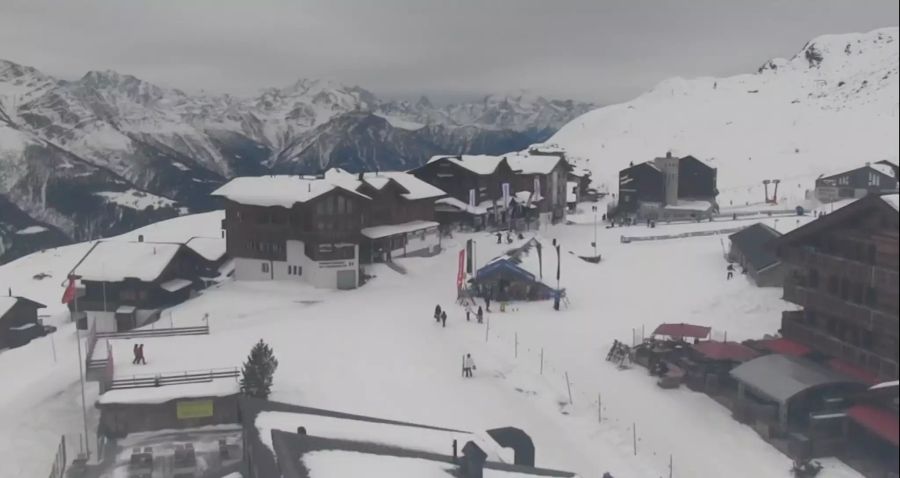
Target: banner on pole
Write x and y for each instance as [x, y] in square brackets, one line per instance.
[469, 257]
[537, 188]
[472, 198]
[505, 188]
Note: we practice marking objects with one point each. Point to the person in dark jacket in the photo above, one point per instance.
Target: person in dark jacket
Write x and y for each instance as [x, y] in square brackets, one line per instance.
[437, 313]
[444, 318]
[136, 356]
[140, 351]
[730, 272]
[480, 314]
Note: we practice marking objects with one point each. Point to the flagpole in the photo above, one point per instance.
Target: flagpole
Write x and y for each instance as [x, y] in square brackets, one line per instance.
[81, 363]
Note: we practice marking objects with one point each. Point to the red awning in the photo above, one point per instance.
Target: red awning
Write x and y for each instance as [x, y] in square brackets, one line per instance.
[879, 421]
[725, 351]
[851, 370]
[784, 347]
[683, 330]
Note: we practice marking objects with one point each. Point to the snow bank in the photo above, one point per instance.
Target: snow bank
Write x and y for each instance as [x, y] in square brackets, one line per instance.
[114, 261]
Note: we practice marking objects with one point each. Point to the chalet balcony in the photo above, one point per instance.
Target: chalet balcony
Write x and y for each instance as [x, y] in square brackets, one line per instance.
[877, 321]
[794, 329]
[807, 258]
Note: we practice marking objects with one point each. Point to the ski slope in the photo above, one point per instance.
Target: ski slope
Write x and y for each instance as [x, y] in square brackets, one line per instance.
[830, 108]
[376, 350]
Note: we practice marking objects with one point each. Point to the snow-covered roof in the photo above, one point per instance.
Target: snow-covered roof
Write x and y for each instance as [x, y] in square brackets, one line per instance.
[781, 377]
[686, 205]
[282, 191]
[175, 285]
[891, 384]
[31, 230]
[415, 187]
[209, 248]
[893, 200]
[410, 437]
[465, 207]
[377, 232]
[114, 261]
[481, 164]
[8, 302]
[525, 163]
[356, 463]
[215, 388]
[883, 169]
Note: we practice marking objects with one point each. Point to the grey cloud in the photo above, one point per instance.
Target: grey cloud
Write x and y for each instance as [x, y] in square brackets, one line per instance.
[596, 50]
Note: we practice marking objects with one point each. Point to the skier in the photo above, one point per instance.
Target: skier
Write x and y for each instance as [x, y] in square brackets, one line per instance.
[468, 313]
[468, 366]
[437, 313]
[136, 356]
[444, 318]
[487, 303]
[140, 353]
[730, 273]
[499, 238]
[480, 315]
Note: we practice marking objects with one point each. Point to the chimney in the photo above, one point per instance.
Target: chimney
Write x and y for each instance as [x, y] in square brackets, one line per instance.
[472, 465]
[301, 431]
[360, 176]
[455, 454]
[140, 238]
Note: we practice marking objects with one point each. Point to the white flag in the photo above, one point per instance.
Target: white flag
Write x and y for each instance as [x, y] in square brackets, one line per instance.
[472, 197]
[537, 188]
[505, 187]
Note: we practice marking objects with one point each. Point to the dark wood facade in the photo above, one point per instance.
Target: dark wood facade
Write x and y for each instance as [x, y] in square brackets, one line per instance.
[553, 200]
[19, 323]
[855, 183]
[696, 180]
[843, 271]
[328, 225]
[640, 183]
[109, 296]
[457, 180]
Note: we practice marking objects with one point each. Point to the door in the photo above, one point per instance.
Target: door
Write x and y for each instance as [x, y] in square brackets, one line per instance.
[346, 280]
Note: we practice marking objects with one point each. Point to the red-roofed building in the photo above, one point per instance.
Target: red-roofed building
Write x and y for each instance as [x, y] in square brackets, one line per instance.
[724, 351]
[873, 437]
[783, 346]
[851, 370]
[682, 331]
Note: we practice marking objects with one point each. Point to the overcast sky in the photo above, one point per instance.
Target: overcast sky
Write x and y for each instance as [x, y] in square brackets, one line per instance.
[598, 50]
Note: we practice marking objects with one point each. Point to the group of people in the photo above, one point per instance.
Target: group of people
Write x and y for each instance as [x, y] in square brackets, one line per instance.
[138, 351]
[440, 315]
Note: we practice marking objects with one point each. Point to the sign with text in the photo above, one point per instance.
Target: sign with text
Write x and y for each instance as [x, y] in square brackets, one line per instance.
[188, 409]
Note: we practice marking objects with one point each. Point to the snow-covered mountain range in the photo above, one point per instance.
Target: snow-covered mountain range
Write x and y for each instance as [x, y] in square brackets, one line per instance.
[87, 157]
[831, 107]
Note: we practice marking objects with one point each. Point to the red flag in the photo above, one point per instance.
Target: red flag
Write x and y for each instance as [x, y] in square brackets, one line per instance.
[461, 273]
[69, 294]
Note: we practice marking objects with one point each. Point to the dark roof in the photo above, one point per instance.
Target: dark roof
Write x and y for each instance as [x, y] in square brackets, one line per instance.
[753, 242]
[732, 351]
[852, 211]
[683, 330]
[879, 421]
[781, 377]
[782, 346]
[864, 168]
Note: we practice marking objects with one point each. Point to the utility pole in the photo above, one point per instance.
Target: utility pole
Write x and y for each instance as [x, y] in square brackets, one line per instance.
[81, 363]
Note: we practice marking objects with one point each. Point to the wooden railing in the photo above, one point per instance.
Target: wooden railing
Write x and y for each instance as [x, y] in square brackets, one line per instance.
[792, 328]
[161, 380]
[871, 319]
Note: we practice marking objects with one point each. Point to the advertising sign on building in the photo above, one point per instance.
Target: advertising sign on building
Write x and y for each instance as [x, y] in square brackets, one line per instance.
[188, 409]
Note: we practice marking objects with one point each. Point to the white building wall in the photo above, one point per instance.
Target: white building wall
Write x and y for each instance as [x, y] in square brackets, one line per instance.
[319, 274]
[251, 269]
[419, 244]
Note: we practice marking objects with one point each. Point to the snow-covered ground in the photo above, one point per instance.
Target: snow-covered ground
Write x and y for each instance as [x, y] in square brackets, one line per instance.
[376, 350]
[830, 108]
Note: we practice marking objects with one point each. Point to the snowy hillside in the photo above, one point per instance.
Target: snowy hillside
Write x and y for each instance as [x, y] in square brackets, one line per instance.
[831, 107]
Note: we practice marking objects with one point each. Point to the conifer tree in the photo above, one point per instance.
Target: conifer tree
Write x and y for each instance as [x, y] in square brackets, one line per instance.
[258, 371]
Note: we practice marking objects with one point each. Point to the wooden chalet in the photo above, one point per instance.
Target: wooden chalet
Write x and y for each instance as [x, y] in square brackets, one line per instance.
[843, 270]
[540, 180]
[877, 178]
[320, 229]
[126, 284]
[751, 248]
[19, 321]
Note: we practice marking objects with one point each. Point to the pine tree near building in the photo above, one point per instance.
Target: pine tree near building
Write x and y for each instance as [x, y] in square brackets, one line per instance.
[258, 371]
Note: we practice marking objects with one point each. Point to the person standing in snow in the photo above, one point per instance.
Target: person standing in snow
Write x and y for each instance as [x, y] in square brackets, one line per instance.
[437, 313]
[135, 352]
[468, 313]
[140, 351]
[480, 315]
[444, 318]
[730, 273]
[487, 302]
[468, 366]
[499, 238]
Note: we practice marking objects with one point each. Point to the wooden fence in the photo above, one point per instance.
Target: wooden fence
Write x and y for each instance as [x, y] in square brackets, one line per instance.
[161, 380]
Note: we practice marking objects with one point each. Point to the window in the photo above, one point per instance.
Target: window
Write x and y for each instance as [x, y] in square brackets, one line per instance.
[341, 204]
[844, 180]
[874, 179]
[295, 270]
[265, 267]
